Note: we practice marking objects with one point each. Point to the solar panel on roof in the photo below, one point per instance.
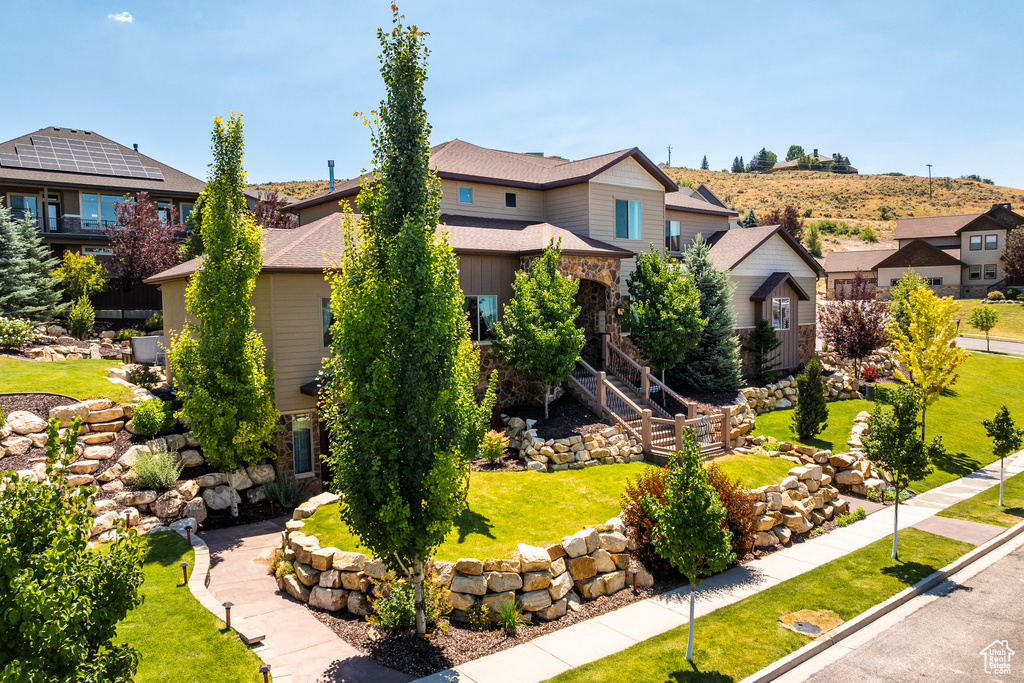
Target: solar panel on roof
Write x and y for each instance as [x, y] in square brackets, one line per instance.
[78, 156]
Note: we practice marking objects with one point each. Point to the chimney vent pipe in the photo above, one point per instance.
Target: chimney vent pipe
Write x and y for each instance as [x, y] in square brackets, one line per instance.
[330, 171]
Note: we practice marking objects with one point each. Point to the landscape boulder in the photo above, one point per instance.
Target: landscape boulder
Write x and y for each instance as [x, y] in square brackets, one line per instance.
[23, 422]
[65, 414]
[219, 497]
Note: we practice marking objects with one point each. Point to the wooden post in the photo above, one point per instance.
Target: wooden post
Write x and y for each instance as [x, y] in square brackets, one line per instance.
[691, 410]
[600, 393]
[726, 430]
[680, 427]
[605, 360]
[645, 385]
[645, 429]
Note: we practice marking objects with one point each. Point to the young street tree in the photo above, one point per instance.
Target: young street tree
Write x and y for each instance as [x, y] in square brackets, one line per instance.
[983, 318]
[60, 600]
[1006, 439]
[714, 364]
[664, 318]
[853, 324]
[810, 416]
[689, 525]
[219, 361]
[893, 445]
[399, 393]
[927, 353]
[538, 335]
[143, 243]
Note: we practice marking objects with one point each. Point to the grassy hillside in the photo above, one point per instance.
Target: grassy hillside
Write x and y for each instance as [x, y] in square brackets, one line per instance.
[300, 189]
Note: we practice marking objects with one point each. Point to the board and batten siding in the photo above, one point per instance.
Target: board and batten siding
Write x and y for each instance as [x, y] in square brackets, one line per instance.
[787, 355]
[775, 255]
[489, 201]
[296, 334]
[693, 224]
[568, 207]
[486, 275]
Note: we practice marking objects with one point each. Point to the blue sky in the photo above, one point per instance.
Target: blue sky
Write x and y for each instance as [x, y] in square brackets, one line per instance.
[893, 85]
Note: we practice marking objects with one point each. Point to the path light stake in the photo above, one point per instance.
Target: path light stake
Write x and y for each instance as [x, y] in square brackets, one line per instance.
[188, 532]
[634, 570]
[272, 509]
[227, 613]
[184, 572]
[265, 670]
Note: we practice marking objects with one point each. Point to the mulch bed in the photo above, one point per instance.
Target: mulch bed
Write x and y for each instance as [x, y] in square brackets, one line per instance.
[509, 462]
[37, 404]
[712, 403]
[568, 417]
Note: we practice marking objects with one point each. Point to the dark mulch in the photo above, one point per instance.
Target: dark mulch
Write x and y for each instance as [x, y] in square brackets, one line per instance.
[451, 644]
[568, 417]
[712, 403]
[248, 513]
[509, 462]
[37, 404]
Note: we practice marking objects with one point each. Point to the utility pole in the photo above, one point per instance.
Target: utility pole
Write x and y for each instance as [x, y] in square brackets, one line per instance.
[929, 181]
[670, 155]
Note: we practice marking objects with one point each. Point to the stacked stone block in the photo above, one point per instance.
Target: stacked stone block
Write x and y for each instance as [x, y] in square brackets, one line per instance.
[573, 452]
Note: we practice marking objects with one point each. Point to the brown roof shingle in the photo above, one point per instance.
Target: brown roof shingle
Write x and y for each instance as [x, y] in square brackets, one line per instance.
[682, 202]
[730, 247]
[851, 261]
[932, 226]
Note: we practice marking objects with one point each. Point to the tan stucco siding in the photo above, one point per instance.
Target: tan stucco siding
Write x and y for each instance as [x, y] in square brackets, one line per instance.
[297, 335]
[489, 201]
[652, 221]
[983, 256]
[488, 275]
[262, 319]
[950, 274]
[314, 213]
[693, 224]
[568, 207]
[173, 294]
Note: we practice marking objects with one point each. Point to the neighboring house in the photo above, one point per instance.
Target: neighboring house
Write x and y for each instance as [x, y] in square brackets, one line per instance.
[69, 180]
[823, 159]
[960, 255]
[500, 210]
[254, 194]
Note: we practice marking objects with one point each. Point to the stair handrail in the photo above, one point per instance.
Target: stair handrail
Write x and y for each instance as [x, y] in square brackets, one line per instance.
[689, 406]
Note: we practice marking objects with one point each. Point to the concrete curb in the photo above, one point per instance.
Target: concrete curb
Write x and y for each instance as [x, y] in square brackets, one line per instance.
[197, 583]
[822, 643]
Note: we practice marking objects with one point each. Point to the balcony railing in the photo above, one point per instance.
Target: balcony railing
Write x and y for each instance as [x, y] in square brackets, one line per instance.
[71, 225]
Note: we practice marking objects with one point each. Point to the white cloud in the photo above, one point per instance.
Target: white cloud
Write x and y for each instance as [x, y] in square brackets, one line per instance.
[122, 18]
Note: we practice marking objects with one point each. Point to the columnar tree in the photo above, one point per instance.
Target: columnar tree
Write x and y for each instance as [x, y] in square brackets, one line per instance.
[690, 529]
[899, 298]
[538, 334]
[983, 318]
[714, 364]
[761, 346]
[927, 352]
[27, 289]
[664, 318]
[61, 601]
[399, 398]
[218, 361]
[853, 324]
[80, 275]
[810, 417]
[1006, 439]
[894, 445]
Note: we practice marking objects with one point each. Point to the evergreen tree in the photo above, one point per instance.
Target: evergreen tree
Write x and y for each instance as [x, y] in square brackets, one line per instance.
[813, 240]
[31, 292]
[810, 417]
[795, 152]
[714, 364]
[761, 346]
[749, 221]
[737, 165]
[14, 289]
[743, 168]
[704, 163]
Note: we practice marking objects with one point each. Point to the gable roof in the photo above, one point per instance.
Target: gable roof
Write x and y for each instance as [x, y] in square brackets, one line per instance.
[849, 261]
[999, 217]
[175, 182]
[730, 247]
[705, 192]
[461, 160]
[773, 281]
[678, 201]
[919, 254]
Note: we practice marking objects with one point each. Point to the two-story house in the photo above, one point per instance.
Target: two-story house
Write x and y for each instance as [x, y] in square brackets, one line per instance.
[960, 255]
[500, 210]
[69, 180]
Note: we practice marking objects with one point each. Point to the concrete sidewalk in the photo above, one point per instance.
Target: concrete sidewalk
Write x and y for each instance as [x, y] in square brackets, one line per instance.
[613, 632]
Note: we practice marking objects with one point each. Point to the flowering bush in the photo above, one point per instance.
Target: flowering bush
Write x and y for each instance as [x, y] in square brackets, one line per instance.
[14, 332]
[870, 373]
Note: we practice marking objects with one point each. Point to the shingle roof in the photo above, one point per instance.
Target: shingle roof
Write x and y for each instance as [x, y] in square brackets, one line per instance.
[920, 253]
[932, 226]
[850, 261]
[461, 160]
[174, 182]
[773, 281]
[679, 201]
[730, 247]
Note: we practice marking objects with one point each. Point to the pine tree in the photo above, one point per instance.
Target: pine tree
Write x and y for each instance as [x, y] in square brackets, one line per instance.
[13, 288]
[27, 289]
[714, 364]
[810, 417]
[813, 240]
[704, 163]
[743, 168]
[737, 165]
[749, 221]
[795, 152]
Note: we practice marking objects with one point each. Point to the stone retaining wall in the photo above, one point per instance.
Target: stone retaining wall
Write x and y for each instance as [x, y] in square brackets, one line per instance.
[572, 452]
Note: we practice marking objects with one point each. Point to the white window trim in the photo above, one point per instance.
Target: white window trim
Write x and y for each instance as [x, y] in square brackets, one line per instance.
[784, 304]
[985, 242]
[313, 455]
[970, 243]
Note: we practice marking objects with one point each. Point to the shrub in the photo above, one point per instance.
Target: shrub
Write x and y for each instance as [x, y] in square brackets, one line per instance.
[492, 446]
[156, 470]
[996, 295]
[478, 616]
[739, 510]
[284, 569]
[80, 275]
[152, 417]
[761, 346]
[639, 524]
[811, 413]
[81, 318]
[510, 616]
[870, 373]
[806, 213]
[394, 607]
[14, 332]
[284, 489]
[849, 518]
[887, 213]
[868, 234]
[125, 335]
[155, 322]
[144, 376]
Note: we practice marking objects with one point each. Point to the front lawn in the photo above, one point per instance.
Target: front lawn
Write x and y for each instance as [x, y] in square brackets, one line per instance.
[1010, 325]
[754, 470]
[984, 507]
[177, 639]
[79, 379]
[737, 640]
[506, 508]
[987, 381]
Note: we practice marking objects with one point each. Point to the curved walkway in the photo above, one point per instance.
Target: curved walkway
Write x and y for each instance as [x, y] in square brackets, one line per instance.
[310, 650]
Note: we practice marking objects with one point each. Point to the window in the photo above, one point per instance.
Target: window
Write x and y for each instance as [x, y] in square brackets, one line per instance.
[186, 211]
[302, 444]
[98, 251]
[465, 195]
[628, 221]
[934, 281]
[975, 242]
[482, 312]
[326, 320]
[163, 211]
[991, 241]
[975, 272]
[24, 206]
[510, 200]
[990, 271]
[780, 313]
[98, 210]
[672, 235]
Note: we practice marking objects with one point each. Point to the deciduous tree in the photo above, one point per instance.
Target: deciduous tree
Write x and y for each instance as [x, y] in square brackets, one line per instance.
[1006, 439]
[80, 275]
[664, 318]
[144, 244]
[399, 398]
[853, 323]
[983, 318]
[219, 361]
[795, 152]
[899, 298]
[1013, 253]
[810, 417]
[268, 213]
[538, 335]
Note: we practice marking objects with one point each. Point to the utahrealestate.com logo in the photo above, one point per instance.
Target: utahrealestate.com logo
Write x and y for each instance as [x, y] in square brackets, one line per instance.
[997, 657]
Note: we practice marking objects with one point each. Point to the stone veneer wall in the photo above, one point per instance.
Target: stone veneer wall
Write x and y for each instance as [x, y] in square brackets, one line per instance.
[286, 452]
[806, 336]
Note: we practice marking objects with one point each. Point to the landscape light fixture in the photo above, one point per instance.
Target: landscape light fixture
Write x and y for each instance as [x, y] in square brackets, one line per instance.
[184, 572]
[634, 570]
[227, 613]
[265, 670]
[620, 311]
[188, 534]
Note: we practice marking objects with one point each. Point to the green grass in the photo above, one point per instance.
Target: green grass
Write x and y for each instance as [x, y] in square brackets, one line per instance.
[177, 639]
[987, 381]
[79, 379]
[1010, 324]
[754, 470]
[506, 508]
[984, 507]
[740, 639]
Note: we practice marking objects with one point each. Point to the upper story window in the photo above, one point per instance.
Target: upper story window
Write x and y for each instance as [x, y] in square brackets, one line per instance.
[628, 220]
[24, 206]
[672, 235]
[98, 251]
[98, 210]
[482, 312]
[975, 242]
[510, 200]
[465, 195]
[780, 313]
[991, 241]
